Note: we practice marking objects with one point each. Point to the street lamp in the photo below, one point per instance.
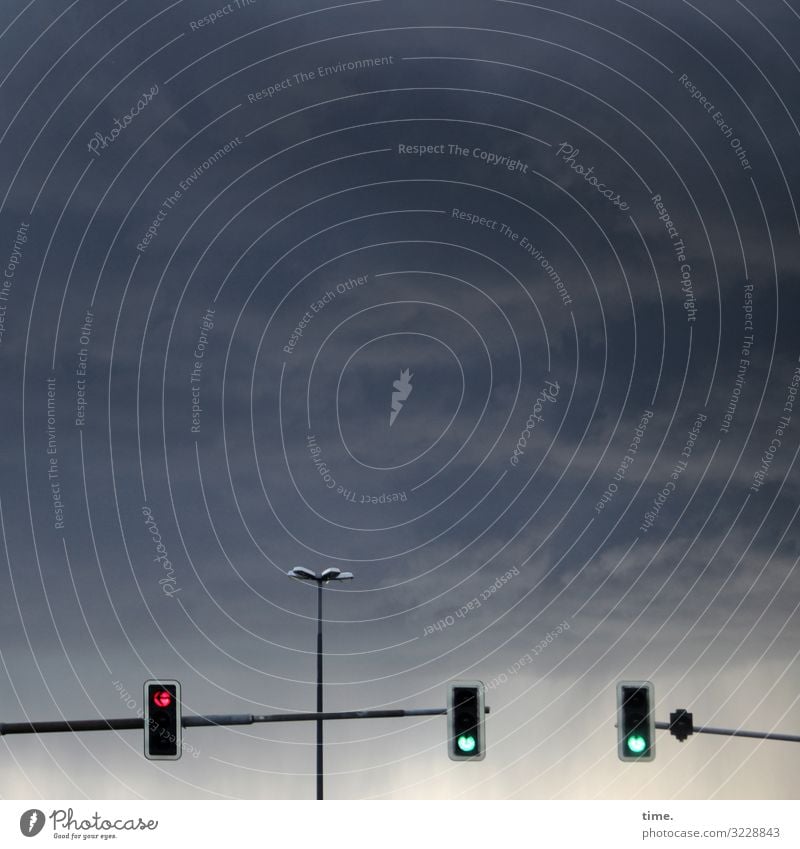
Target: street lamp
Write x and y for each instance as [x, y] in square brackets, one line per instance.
[331, 574]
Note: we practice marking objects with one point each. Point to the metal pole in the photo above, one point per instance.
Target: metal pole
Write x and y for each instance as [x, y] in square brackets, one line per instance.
[319, 689]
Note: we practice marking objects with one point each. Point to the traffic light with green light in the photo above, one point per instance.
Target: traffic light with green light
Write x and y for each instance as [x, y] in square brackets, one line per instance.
[465, 713]
[635, 721]
[162, 720]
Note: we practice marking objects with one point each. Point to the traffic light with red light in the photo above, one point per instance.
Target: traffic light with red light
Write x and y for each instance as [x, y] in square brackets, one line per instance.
[465, 712]
[636, 731]
[162, 720]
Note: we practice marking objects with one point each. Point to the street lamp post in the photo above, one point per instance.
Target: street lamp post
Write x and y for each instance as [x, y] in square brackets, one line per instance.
[332, 574]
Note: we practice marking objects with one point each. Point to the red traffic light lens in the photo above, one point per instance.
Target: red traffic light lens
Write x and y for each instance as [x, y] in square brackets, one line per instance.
[162, 698]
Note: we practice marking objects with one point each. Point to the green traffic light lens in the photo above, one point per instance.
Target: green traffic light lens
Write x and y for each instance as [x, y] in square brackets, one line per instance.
[466, 743]
[637, 744]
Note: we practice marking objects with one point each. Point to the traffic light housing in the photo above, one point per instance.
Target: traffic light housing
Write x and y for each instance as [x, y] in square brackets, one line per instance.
[162, 720]
[466, 740]
[635, 721]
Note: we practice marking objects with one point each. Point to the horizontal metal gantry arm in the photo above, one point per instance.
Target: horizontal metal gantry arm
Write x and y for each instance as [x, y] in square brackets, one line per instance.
[48, 727]
[733, 732]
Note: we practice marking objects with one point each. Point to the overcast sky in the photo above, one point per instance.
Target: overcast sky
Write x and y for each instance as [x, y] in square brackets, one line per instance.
[493, 304]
